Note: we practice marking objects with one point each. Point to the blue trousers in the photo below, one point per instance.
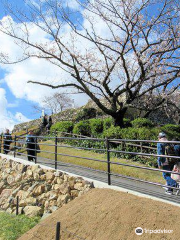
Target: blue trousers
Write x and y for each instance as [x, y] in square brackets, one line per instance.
[167, 176]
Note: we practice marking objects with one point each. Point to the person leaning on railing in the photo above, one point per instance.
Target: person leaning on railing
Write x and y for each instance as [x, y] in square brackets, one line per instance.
[31, 146]
[164, 164]
[7, 141]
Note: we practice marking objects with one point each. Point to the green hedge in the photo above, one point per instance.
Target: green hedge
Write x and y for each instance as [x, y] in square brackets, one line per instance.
[107, 123]
[132, 133]
[82, 128]
[64, 126]
[172, 130]
[127, 122]
[96, 126]
[141, 122]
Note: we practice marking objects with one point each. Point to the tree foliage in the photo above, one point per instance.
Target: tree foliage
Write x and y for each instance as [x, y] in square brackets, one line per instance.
[123, 51]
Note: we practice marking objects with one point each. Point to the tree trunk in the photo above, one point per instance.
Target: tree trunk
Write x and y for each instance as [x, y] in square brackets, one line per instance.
[118, 118]
[146, 115]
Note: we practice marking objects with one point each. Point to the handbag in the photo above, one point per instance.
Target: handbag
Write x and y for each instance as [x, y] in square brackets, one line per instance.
[176, 177]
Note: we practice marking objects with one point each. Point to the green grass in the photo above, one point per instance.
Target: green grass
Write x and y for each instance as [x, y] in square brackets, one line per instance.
[12, 227]
[127, 171]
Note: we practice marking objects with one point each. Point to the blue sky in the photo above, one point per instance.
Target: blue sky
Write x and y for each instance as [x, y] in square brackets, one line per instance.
[14, 104]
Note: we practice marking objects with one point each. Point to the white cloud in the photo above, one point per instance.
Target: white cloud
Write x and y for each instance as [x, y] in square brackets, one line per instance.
[20, 117]
[13, 105]
[7, 119]
[18, 75]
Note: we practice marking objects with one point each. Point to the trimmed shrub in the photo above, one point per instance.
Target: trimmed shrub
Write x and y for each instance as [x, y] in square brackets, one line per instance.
[172, 130]
[107, 123]
[113, 132]
[86, 113]
[141, 122]
[82, 128]
[132, 133]
[64, 126]
[96, 126]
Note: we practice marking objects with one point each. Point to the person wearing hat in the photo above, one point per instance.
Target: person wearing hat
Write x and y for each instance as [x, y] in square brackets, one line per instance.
[164, 164]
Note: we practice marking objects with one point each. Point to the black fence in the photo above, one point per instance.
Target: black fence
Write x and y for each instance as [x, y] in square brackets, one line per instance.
[145, 149]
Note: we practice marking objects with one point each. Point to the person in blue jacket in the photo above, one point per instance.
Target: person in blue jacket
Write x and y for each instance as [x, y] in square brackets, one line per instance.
[164, 164]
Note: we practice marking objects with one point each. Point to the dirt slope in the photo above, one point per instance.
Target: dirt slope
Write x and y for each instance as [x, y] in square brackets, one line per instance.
[104, 214]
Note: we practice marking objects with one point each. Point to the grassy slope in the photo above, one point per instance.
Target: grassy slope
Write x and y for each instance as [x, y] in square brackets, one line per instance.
[128, 171]
[12, 227]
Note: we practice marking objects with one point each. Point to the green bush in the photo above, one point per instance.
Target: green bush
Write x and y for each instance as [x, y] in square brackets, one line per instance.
[172, 130]
[113, 132]
[141, 122]
[96, 126]
[127, 123]
[86, 113]
[132, 133]
[82, 128]
[107, 123]
[65, 126]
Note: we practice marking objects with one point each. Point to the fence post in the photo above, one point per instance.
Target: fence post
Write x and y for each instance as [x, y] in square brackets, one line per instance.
[56, 151]
[0, 143]
[17, 205]
[108, 162]
[14, 146]
[58, 235]
[141, 144]
[35, 150]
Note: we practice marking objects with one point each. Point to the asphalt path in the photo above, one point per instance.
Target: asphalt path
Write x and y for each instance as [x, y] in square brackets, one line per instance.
[120, 181]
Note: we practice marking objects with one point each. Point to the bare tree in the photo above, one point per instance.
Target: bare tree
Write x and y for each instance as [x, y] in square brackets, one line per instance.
[57, 102]
[119, 51]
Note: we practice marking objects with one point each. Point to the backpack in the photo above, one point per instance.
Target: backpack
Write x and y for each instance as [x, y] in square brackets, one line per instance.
[170, 151]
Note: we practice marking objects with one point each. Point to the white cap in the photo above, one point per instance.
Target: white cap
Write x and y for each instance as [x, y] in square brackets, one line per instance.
[161, 135]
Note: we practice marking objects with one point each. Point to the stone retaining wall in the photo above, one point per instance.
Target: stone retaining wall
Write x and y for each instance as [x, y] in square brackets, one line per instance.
[41, 191]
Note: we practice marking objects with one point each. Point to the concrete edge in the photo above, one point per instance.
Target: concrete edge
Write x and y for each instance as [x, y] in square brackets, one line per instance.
[97, 184]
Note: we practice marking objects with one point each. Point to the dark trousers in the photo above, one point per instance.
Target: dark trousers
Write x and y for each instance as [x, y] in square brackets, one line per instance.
[6, 148]
[31, 152]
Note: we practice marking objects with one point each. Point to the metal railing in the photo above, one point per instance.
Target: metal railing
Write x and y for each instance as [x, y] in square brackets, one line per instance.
[19, 147]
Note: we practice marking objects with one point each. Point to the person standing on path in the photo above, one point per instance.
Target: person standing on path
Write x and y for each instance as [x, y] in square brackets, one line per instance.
[31, 146]
[7, 141]
[164, 164]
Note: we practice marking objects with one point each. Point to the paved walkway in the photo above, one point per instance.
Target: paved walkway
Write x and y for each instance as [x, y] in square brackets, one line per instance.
[140, 187]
